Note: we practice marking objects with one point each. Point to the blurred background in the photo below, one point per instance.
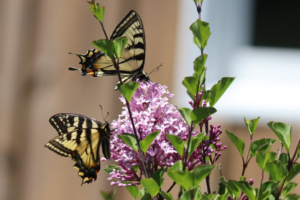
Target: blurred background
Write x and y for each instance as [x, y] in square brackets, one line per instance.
[255, 41]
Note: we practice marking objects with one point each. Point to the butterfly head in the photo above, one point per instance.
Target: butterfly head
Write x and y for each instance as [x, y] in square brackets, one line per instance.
[143, 76]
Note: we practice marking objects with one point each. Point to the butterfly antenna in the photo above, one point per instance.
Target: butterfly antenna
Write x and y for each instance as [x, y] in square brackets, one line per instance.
[155, 69]
[102, 113]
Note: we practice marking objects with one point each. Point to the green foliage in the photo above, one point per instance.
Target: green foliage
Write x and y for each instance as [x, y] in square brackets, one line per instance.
[151, 186]
[246, 188]
[106, 46]
[177, 142]
[110, 168]
[111, 48]
[201, 32]
[288, 188]
[185, 113]
[284, 158]
[219, 89]
[199, 64]
[263, 157]
[189, 180]
[97, 11]
[194, 194]
[277, 171]
[231, 187]
[251, 124]
[283, 132]
[144, 194]
[158, 176]
[258, 145]
[191, 83]
[292, 197]
[195, 141]
[200, 114]
[119, 44]
[128, 89]
[110, 195]
[147, 141]
[238, 143]
[199, 173]
[166, 196]
[130, 140]
[133, 190]
[294, 171]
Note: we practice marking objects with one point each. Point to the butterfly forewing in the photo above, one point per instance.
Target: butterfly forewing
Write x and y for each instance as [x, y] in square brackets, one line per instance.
[80, 138]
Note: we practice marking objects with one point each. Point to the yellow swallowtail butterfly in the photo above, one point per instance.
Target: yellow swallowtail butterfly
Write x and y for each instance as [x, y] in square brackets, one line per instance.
[80, 137]
[132, 60]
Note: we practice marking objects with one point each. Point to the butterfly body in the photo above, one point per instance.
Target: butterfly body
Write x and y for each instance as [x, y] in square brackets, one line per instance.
[80, 137]
[132, 60]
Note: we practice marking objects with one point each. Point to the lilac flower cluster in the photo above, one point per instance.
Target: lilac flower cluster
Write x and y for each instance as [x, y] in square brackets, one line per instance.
[151, 112]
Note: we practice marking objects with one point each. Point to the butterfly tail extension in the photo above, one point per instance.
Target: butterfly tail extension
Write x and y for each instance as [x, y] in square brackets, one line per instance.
[85, 173]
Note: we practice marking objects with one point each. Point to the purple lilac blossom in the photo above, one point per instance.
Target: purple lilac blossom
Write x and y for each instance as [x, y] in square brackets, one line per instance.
[151, 112]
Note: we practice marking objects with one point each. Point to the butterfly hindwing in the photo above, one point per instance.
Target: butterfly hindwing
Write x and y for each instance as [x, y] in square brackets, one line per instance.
[80, 138]
[132, 60]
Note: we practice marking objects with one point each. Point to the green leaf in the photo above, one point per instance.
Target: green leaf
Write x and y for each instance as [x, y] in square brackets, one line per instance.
[166, 196]
[130, 140]
[157, 176]
[195, 141]
[110, 168]
[238, 143]
[106, 46]
[257, 144]
[298, 150]
[119, 44]
[262, 158]
[294, 171]
[200, 114]
[191, 84]
[251, 124]
[283, 132]
[199, 64]
[128, 89]
[133, 190]
[178, 165]
[151, 186]
[185, 113]
[110, 195]
[177, 142]
[284, 158]
[97, 10]
[264, 195]
[246, 188]
[147, 141]
[292, 197]
[268, 186]
[199, 173]
[201, 32]
[184, 179]
[231, 187]
[194, 194]
[219, 89]
[222, 197]
[144, 194]
[288, 188]
[277, 171]
[234, 188]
